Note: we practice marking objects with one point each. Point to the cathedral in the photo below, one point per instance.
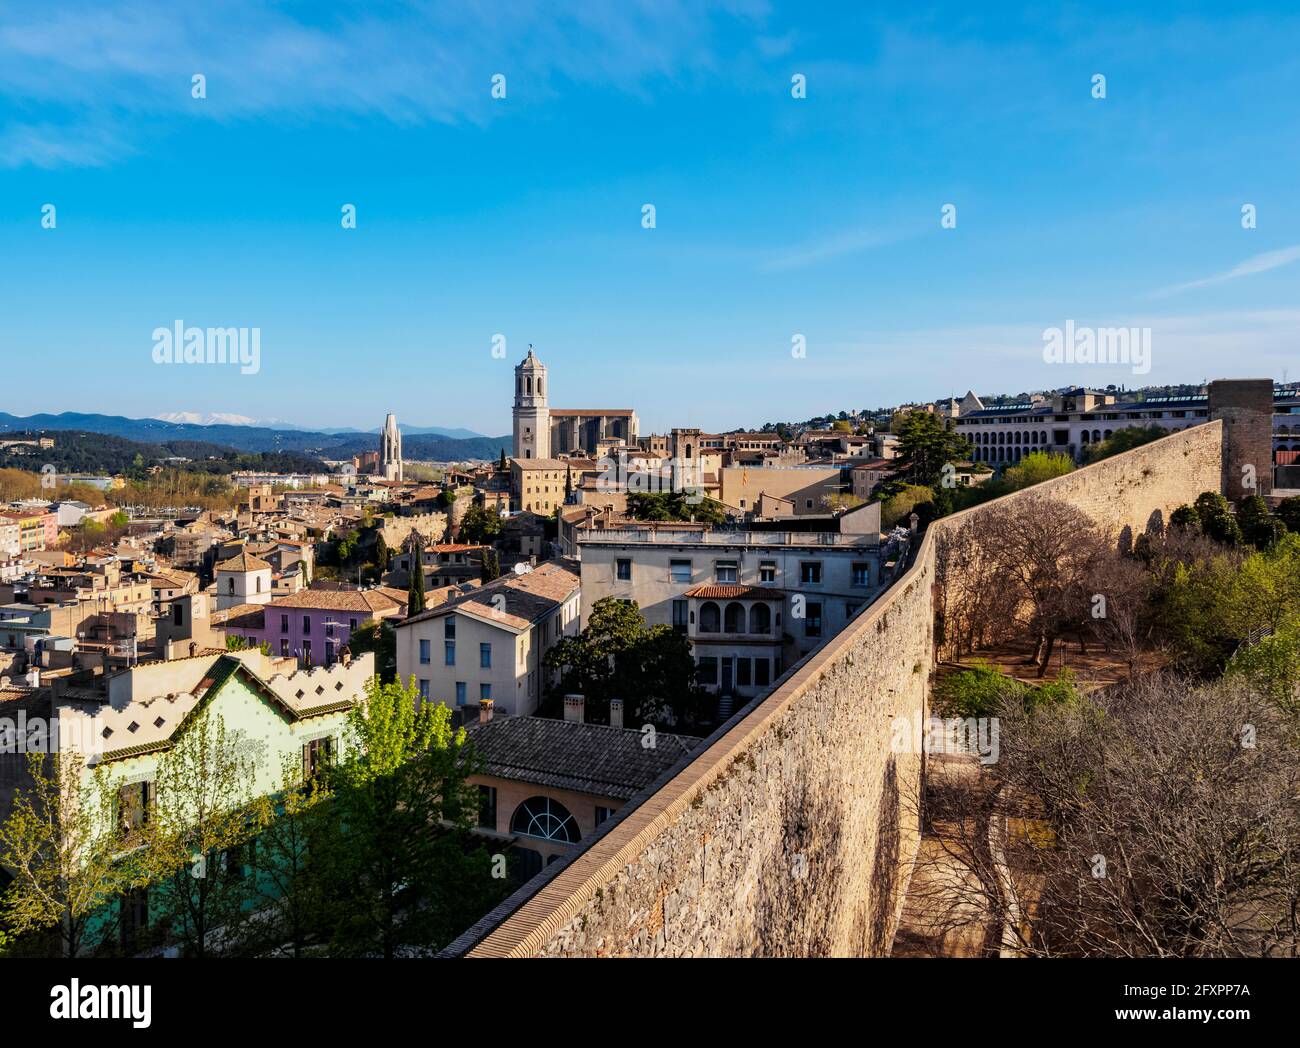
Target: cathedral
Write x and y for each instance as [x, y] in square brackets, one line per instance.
[543, 432]
[390, 450]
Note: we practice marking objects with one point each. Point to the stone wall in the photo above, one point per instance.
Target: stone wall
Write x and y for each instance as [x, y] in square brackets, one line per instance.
[787, 834]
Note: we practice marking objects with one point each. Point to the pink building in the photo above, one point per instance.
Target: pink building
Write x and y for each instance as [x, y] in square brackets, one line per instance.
[312, 625]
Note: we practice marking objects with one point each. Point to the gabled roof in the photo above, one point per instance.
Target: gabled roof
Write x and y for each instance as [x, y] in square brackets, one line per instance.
[244, 562]
[523, 598]
[589, 758]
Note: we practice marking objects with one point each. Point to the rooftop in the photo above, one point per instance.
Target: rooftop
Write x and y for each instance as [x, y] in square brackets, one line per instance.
[589, 758]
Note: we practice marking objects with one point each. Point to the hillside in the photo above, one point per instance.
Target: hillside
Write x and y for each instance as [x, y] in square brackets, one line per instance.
[255, 439]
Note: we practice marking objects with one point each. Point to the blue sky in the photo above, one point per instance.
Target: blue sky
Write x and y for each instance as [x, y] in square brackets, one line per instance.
[775, 216]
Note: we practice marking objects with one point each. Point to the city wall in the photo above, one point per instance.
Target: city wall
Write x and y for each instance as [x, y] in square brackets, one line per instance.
[788, 834]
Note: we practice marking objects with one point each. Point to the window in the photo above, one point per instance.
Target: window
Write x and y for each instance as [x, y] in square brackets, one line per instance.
[487, 807]
[424, 690]
[861, 574]
[316, 755]
[767, 571]
[812, 623]
[134, 916]
[284, 649]
[460, 693]
[133, 803]
[547, 819]
[484, 692]
[733, 619]
[449, 653]
[760, 619]
[742, 673]
[623, 569]
[284, 623]
[306, 624]
[449, 628]
[810, 573]
[352, 625]
[680, 615]
[424, 652]
[230, 585]
[485, 656]
[706, 671]
[761, 677]
[725, 570]
[306, 650]
[602, 814]
[680, 570]
[710, 617]
[808, 503]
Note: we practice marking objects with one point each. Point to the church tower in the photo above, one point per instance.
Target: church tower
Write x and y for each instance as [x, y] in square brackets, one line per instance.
[390, 450]
[532, 416]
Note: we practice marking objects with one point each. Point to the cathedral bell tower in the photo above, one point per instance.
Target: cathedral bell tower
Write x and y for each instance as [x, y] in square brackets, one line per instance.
[531, 415]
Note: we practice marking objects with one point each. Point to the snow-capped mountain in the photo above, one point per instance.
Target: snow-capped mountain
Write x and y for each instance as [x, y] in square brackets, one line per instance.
[221, 418]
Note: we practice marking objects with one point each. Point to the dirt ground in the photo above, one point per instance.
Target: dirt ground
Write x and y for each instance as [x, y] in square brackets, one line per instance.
[1096, 667]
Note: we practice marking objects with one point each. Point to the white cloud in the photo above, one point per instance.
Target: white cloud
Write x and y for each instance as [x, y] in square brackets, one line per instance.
[1261, 263]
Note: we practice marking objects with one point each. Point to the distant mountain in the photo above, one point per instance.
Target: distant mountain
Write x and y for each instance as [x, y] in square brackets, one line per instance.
[220, 418]
[252, 438]
[437, 431]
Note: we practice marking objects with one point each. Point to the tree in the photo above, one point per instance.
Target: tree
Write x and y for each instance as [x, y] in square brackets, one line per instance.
[1258, 527]
[378, 636]
[480, 525]
[397, 867]
[926, 444]
[60, 842]
[491, 565]
[1123, 440]
[897, 507]
[285, 880]
[618, 656]
[568, 483]
[204, 814]
[1288, 512]
[1132, 822]
[415, 589]
[674, 505]
[502, 466]
[382, 554]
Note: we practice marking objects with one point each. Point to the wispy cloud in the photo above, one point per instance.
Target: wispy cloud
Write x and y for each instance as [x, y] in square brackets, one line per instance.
[116, 74]
[1261, 263]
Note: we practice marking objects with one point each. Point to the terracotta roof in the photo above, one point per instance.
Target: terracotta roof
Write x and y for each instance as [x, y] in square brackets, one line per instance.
[734, 592]
[244, 562]
[589, 758]
[526, 597]
[336, 600]
[241, 616]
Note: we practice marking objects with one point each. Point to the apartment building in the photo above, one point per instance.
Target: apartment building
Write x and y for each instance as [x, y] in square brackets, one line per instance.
[750, 602]
[538, 484]
[489, 644]
[312, 625]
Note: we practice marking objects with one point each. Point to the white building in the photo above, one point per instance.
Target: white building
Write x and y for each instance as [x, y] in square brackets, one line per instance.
[244, 579]
[751, 603]
[488, 645]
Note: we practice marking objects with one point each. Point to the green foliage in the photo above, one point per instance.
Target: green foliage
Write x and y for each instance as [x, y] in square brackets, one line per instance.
[491, 565]
[984, 691]
[1186, 517]
[415, 588]
[395, 862]
[234, 642]
[673, 505]
[60, 843]
[898, 506]
[1272, 665]
[1123, 440]
[480, 526]
[926, 444]
[377, 636]
[1288, 512]
[618, 656]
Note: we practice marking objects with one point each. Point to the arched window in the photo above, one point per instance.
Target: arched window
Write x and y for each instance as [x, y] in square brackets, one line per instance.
[1096, 436]
[760, 619]
[546, 819]
[539, 387]
[688, 451]
[1083, 437]
[733, 620]
[709, 617]
[1042, 436]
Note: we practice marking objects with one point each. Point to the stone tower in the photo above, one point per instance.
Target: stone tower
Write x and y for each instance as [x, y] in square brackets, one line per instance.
[390, 450]
[532, 416]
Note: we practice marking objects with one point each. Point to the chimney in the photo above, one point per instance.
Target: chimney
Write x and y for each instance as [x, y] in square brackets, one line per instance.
[574, 708]
[194, 648]
[616, 713]
[169, 650]
[484, 710]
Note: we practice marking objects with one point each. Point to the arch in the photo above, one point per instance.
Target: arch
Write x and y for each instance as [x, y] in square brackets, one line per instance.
[1096, 436]
[688, 451]
[1083, 437]
[546, 819]
[709, 617]
[760, 618]
[733, 619]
